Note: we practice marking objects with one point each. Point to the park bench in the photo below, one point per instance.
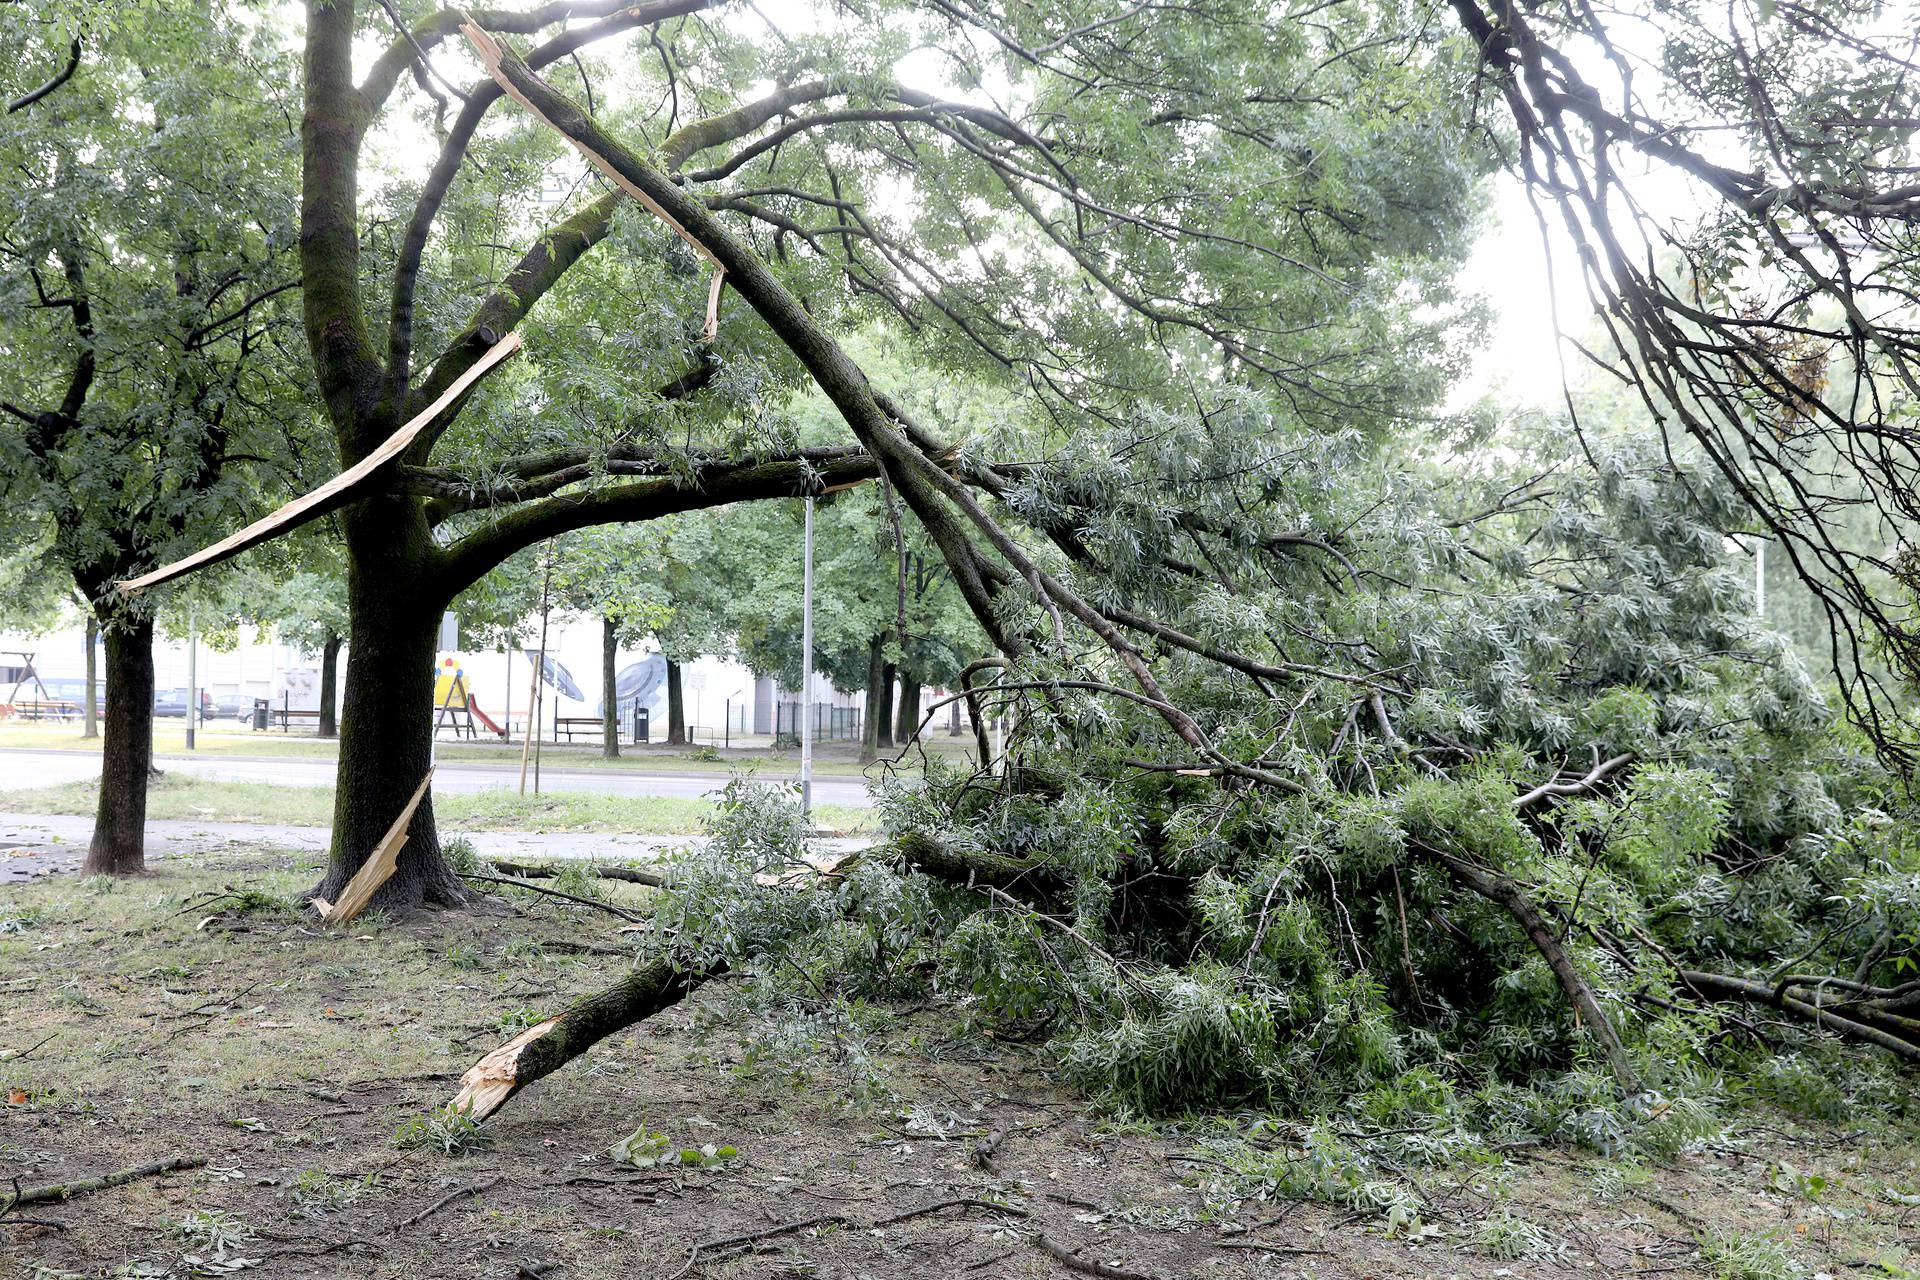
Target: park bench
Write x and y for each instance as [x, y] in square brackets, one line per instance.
[35, 709]
[571, 725]
[287, 715]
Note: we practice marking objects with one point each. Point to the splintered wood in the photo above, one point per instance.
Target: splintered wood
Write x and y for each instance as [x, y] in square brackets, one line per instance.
[488, 1083]
[334, 492]
[491, 52]
[377, 869]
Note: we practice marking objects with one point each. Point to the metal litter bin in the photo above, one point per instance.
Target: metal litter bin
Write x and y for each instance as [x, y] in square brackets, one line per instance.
[261, 710]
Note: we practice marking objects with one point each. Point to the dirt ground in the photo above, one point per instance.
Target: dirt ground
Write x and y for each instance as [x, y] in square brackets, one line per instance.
[152, 1019]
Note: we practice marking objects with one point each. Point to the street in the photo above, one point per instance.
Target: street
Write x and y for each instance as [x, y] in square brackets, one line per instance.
[22, 767]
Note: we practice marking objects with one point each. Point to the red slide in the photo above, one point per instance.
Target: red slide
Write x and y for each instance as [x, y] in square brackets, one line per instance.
[483, 717]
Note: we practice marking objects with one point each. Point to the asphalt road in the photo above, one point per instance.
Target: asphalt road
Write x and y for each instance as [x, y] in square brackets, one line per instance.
[25, 767]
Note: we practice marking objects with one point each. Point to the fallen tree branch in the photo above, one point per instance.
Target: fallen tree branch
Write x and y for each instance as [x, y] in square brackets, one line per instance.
[1501, 889]
[547, 1046]
[1072, 1261]
[1719, 986]
[628, 916]
[471, 1189]
[626, 875]
[60, 1192]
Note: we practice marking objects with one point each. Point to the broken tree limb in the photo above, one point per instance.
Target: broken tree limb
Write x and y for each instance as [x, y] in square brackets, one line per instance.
[544, 1048]
[59, 1192]
[474, 1189]
[1501, 889]
[1065, 1255]
[628, 916]
[336, 492]
[626, 875]
[1719, 986]
[491, 52]
[377, 869]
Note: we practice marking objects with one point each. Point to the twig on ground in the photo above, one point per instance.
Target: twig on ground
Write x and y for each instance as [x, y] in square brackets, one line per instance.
[1066, 1257]
[730, 1242]
[471, 1189]
[59, 1192]
[969, 1202]
[553, 893]
[983, 1149]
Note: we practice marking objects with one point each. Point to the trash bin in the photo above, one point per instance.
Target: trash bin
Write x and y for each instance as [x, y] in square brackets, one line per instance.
[261, 709]
[640, 727]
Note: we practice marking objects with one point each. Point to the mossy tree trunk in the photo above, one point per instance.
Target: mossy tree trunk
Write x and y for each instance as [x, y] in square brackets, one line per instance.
[610, 687]
[907, 721]
[396, 594]
[120, 820]
[329, 685]
[90, 712]
[880, 704]
[676, 707]
[870, 726]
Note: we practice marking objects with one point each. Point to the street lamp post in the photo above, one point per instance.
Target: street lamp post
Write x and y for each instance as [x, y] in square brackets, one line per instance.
[806, 670]
[193, 682]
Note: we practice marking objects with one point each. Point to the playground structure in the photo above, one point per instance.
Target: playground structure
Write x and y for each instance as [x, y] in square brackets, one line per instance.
[454, 704]
[44, 707]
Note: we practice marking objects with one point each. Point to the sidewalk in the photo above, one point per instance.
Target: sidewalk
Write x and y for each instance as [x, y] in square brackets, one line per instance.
[38, 844]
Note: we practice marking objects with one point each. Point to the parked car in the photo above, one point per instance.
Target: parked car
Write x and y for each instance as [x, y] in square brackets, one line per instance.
[173, 702]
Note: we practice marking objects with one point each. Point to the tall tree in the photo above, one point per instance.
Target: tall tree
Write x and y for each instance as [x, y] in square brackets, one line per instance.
[1772, 321]
[1133, 151]
[144, 268]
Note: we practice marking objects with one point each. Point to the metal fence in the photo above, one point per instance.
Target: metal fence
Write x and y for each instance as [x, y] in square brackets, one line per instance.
[830, 723]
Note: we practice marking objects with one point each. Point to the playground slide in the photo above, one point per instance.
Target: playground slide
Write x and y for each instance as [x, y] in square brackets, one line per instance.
[483, 717]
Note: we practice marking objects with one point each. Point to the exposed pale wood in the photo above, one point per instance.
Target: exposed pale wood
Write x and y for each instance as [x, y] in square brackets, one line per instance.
[335, 492]
[490, 52]
[488, 1083]
[378, 868]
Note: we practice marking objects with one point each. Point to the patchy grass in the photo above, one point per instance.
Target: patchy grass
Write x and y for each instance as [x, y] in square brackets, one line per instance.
[831, 759]
[183, 796]
[197, 1011]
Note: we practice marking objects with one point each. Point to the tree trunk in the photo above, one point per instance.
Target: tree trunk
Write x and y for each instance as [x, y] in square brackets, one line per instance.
[544, 1048]
[882, 707]
[609, 687]
[386, 729]
[120, 822]
[907, 723]
[329, 685]
[676, 707]
[90, 713]
[870, 730]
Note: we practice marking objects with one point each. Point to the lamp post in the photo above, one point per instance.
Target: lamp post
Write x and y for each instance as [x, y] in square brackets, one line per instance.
[806, 669]
[193, 683]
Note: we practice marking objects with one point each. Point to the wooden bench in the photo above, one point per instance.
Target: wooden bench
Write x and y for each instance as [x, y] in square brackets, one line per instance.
[58, 709]
[287, 715]
[571, 725]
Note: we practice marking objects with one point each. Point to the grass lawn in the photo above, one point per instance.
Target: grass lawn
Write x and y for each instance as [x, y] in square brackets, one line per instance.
[831, 759]
[199, 1012]
[182, 796]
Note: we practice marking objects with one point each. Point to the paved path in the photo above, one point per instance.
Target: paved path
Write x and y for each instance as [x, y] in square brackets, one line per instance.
[27, 767]
[34, 845]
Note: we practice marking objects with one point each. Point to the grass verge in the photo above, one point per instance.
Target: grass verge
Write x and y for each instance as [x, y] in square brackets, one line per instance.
[184, 797]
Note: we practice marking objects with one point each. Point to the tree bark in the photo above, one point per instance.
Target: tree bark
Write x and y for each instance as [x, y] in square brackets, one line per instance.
[676, 707]
[395, 599]
[120, 821]
[609, 687]
[907, 721]
[329, 685]
[546, 1047]
[870, 729]
[90, 712]
[881, 707]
